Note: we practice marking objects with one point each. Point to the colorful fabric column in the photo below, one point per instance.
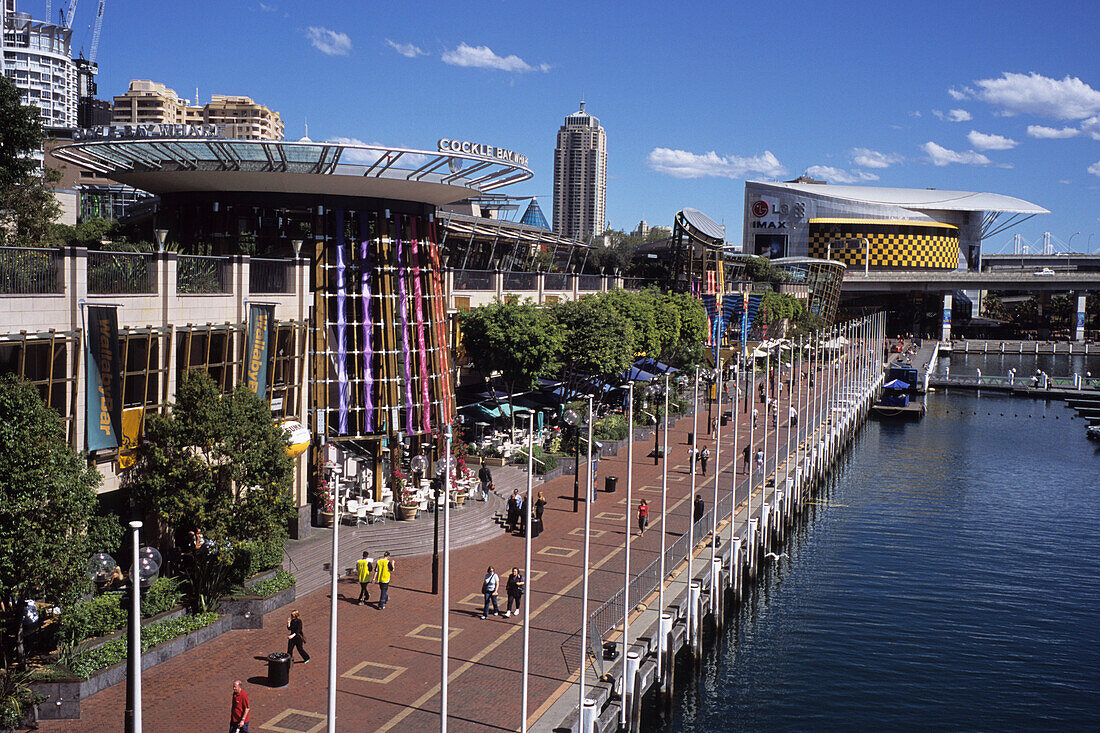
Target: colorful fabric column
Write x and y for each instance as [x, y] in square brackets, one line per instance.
[403, 309]
[418, 314]
[343, 387]
[365, 265]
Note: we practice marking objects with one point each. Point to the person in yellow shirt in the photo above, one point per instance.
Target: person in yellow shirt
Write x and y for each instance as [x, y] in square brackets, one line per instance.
[365, 568]
[386, 567]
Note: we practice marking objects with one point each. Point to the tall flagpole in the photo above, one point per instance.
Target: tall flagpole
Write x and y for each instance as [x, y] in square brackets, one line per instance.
[446, 622]
[584, 583]
[691, 505]
[332, 636]
[527, 566]
[717, 473]
[626, 557]
[664, 508]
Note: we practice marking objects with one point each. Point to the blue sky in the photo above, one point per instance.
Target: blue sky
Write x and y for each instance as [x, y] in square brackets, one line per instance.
[695, 97]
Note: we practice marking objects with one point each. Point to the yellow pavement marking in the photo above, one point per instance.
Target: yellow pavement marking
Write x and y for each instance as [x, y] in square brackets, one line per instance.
[291, 712]
[394, 671]
[557, 551]
[593, 533]
[417, 633]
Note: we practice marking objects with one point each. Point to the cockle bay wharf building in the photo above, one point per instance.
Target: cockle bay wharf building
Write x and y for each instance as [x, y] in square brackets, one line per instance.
[314, 272]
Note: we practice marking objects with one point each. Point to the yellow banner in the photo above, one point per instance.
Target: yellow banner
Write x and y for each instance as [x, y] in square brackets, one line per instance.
[131, 432]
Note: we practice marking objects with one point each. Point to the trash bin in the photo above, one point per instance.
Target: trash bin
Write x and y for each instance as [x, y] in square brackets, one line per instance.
[610, 483]
[278, 669]
[691, 438]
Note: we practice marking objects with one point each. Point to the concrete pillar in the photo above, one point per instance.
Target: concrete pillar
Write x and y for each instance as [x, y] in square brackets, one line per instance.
[498, 283]
[1079, 332]
[540, 280]
[945, 334]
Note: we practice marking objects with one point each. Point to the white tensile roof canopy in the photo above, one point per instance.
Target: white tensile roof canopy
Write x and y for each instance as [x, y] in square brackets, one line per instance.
[925, 199]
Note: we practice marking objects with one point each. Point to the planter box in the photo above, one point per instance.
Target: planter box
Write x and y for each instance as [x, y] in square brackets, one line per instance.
[63, 696]
[407, 513]
[473, 460]
[248, 612]
[493, 461]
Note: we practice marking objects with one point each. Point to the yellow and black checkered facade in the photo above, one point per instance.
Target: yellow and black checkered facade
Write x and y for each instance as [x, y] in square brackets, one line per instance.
[890, 244]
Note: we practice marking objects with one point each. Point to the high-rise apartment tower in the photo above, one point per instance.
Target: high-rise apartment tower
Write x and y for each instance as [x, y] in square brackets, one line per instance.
[580, 177]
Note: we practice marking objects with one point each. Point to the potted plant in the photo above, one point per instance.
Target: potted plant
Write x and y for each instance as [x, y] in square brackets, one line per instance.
[325, 508]
[407, 505]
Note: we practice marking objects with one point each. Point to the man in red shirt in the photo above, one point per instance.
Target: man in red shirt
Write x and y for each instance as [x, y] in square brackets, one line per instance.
[238, 718]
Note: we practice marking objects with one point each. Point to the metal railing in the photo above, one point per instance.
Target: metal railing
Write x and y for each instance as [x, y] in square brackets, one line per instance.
[271, 276]
[514, 281]
[473, 280]
[31, 271]
[556, 281]
[589, 282]
[121, 273]
[201, 275]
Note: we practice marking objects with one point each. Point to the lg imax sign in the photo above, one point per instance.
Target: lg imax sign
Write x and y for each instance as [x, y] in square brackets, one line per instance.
[775, 215]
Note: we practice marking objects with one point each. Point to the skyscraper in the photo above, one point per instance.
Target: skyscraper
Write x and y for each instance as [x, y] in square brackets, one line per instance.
[580, 177]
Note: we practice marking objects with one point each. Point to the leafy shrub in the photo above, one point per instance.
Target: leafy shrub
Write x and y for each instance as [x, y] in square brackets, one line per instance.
[612, 427]
[152, 635]
[271, 586]
[106, 613]
[544, 462]
[163, 595]
[256, 556]
[16, 698]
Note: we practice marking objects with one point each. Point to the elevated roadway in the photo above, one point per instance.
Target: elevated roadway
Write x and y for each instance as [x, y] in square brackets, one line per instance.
[946, 282]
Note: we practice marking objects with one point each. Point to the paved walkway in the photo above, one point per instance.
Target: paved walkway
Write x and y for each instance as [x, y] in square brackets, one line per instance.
[388, 661]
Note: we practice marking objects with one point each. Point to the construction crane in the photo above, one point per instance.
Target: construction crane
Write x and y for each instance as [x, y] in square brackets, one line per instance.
[70, 14]
[95, 33]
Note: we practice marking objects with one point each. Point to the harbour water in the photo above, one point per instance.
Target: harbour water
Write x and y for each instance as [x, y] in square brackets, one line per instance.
[948, 578]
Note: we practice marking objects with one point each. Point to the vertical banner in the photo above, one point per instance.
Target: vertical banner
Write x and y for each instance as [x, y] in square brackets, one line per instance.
[261, 323]
[365, 265]
[403, 310]
[744, 326]
[103, 405]
[132, 417]
[342, 384]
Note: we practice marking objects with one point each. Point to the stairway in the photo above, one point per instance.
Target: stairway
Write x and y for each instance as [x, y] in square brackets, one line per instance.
[308, 560]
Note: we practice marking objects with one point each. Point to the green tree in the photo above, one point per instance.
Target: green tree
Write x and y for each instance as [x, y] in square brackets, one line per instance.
[27, 201]
[597, 340]
[687, 350]
[20, 136]
[519, 342]
[48, 523]
[217, 463]
[638, 309]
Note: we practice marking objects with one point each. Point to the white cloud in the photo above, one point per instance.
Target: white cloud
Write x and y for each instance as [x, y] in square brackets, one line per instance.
[1035, 94]
[482, 57]
[1091, 127]
[368, 157]
[941, 156]
[955, 115]
[1051, 133]
[268, 8]
[982, 141]
[839, 175]
[684, 164]
[960, 94]
[866, 158]
[408, 50]
[1094, 169]
[329, 42]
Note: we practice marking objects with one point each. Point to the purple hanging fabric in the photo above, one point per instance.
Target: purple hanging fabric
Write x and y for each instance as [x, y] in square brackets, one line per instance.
[341, 327]
[421, 346]
[365, 265]
[403, 309]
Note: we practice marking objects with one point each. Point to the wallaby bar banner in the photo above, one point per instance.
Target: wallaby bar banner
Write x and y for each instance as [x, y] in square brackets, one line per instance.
[261, 324]
[103, 407]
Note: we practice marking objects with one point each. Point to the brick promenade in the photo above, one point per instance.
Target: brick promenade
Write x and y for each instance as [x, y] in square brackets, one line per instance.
[389, 660]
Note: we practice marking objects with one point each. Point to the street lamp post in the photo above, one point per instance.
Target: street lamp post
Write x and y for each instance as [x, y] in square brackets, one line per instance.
[145, 563]
[652, 391]
[573, 420]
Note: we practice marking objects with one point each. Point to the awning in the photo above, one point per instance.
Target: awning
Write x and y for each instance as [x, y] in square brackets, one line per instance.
[896, 384]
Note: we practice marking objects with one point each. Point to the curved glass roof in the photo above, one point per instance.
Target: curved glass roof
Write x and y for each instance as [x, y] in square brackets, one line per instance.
[703, 223]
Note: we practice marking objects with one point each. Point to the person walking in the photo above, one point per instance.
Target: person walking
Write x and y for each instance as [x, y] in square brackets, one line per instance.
[486, 477]
[489, 590]
[386, 567]
[747, 455]
[760, 461]
[643, 516]
[515, 587]
[239, 713]
[793, 417]
[699, 509]
[704, 456]
[755, 412]
[295, 638]
[522, 513]
[364, 568]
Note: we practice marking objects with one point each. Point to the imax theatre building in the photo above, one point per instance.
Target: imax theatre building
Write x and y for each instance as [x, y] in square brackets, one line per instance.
[876, 228]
